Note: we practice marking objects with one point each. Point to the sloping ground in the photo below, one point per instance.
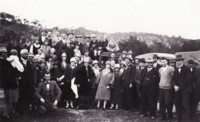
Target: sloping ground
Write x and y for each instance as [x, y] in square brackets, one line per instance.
[191, 54]
[63, 115]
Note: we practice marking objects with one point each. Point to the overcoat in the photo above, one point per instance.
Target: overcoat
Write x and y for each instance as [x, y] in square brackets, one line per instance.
[106, 79]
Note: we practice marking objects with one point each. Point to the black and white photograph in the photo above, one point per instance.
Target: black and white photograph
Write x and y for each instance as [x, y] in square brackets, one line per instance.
[99, 60]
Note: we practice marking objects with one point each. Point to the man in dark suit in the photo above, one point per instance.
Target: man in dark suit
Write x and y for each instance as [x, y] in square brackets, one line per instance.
[194, 79]
[59, 46]
[42, 37]
[183, 89]
[84, 76]
[26, 83]
[128, 81]
[48, 93]
[156, 67]
[148, 84]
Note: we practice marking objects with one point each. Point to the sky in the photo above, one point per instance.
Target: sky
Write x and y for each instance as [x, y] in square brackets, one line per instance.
[166, 17]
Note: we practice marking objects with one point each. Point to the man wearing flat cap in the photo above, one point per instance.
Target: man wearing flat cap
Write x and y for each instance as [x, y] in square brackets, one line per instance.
[8, 81]
[128, 80]
[183, 89]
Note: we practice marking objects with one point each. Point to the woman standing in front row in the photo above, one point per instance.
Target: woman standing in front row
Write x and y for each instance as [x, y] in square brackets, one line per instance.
[106, 79]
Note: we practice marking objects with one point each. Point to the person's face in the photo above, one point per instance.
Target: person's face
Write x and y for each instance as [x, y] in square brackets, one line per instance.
[77, 47]
[47, 77]
[191, 65]
[123, 55]
[86, 53]
[37, 41]
[108, 66]
[46, 43]
[64, 58]
[25, 56]
[136, 61]
[50, 59]
[93, 38]
[116, 69]
[173, 64]
[4, 55]
[155, 60]
[164, 63]
[43, 33]
[42, 65]
[179, 63]
[30, 58]
[96, 65]
[127, 61]
[73, 64]
[141, 64]
[149, 64]
[86, 64]
[71, 37]
[112, 55]
[39, 51]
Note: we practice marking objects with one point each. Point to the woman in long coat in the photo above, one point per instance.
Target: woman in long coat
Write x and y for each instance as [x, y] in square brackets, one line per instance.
[116, 92]
[106, 79]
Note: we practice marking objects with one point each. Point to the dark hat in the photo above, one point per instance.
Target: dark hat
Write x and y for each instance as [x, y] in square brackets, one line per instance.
[192, 61]
[172, 60]
[124, 52]
[129, 57]
[149, 60]
[70, 33]
[179, 57]
[155, 56]
[79, 36]
[87, 37]
[163, 58]
[142, 60]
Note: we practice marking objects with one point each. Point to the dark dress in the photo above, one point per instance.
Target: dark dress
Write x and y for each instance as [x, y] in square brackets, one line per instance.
[69, 75]
[116, 94]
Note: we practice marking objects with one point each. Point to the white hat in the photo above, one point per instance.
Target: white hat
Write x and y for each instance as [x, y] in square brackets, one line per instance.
[63, 55]
[117, 66]
[73, 60]
[93, 35]
[86, 60]
[23, 51]
[3, 49]
[95, 62]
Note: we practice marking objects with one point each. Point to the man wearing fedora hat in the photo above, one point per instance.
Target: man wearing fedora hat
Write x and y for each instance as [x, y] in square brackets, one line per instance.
[148, 91]
[194, 79]
[183, 89]
[128, 80]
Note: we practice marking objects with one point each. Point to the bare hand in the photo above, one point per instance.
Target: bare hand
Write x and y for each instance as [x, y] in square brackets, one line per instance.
[55, 102]
[42, 100]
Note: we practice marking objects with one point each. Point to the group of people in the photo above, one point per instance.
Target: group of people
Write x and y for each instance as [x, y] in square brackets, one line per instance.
[65, 70]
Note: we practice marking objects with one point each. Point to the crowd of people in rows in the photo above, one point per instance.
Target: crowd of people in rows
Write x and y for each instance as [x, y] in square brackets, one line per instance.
[64, 70]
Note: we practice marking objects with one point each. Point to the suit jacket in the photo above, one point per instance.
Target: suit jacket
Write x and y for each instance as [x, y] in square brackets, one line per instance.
[27, 77]
[69, 51]
[59, 47]
[182, 79]
[148, 79]
[8, 74]
[55, 91]
[128, 76]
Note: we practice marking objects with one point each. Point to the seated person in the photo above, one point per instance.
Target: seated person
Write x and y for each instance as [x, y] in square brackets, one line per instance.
[112, 46]
[49, 94]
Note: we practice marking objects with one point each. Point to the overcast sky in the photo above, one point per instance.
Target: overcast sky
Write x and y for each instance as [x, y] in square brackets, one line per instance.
[168, 17]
